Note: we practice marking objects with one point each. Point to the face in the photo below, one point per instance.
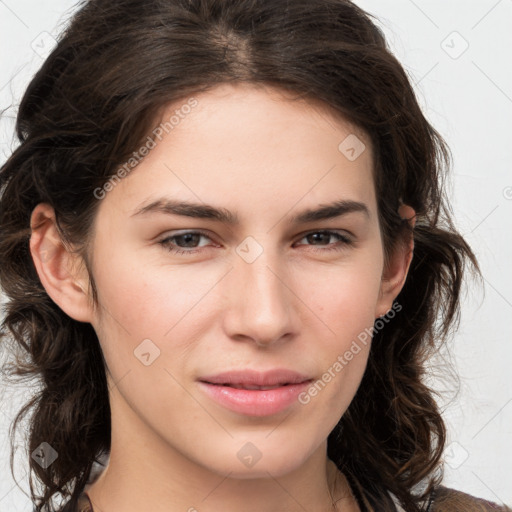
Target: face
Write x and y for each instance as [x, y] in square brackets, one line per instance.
[187, 297]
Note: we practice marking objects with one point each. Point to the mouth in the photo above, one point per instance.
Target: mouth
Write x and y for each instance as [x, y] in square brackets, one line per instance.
[254, 388]
[254, 393]
[255, 379]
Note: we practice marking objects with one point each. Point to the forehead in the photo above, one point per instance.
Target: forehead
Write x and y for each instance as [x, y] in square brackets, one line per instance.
[251, 147]
[246, 105]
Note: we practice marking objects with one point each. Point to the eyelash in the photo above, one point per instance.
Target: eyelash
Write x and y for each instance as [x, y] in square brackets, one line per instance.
[166, 242]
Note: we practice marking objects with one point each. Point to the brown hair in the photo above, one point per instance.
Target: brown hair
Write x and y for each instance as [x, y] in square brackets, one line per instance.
[96, 98]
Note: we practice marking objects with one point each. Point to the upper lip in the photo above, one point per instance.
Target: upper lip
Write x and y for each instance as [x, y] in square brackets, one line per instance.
[257, 378]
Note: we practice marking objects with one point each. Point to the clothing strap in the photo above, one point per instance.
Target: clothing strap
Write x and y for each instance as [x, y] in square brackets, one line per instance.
[84, 503]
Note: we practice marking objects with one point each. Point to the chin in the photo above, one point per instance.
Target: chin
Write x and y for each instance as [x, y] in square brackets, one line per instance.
[258, 458]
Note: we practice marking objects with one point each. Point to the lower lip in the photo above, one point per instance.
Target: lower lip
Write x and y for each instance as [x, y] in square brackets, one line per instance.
[254, 402]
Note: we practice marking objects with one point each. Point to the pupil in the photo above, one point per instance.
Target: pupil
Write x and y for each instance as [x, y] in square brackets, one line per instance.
[319, 235]
[189, 236]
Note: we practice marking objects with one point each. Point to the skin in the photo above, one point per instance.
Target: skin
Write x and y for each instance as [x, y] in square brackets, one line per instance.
[298, 306]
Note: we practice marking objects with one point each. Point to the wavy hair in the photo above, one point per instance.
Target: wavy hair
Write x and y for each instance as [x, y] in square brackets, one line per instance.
[93, 101]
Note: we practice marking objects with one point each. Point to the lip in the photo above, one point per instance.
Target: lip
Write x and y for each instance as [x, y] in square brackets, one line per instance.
[255, 402]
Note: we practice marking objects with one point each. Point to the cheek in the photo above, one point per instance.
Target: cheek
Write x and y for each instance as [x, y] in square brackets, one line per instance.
[169, 306]
[148, 298]
[343, 297]
[343, 300]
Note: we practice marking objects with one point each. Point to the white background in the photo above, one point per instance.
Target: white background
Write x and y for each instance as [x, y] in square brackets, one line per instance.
[466, 93]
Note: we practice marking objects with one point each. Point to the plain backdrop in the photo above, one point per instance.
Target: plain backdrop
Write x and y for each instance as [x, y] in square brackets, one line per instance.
[457, 53]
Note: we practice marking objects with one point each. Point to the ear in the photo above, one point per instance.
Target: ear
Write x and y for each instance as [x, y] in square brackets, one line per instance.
[62, 273]
[395, 272]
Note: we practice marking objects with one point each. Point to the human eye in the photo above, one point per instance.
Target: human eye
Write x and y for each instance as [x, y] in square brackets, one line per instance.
[183, 239]
[343, 240]
[186, 242]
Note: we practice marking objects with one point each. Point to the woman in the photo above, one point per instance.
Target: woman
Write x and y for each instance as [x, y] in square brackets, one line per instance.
[179, 162]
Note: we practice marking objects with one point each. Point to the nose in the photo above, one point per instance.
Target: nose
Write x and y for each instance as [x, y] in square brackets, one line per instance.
[262, 304]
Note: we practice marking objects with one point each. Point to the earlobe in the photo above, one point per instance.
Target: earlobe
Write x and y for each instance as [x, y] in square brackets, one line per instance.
[57, 266]
[397, 269]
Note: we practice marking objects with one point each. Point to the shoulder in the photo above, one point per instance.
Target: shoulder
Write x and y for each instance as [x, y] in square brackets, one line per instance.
[452, 500]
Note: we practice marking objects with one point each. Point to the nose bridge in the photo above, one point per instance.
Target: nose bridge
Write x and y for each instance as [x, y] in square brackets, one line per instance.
[261, 302]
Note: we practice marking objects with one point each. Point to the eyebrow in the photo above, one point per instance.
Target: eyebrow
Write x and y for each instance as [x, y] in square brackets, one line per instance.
[205, 211]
